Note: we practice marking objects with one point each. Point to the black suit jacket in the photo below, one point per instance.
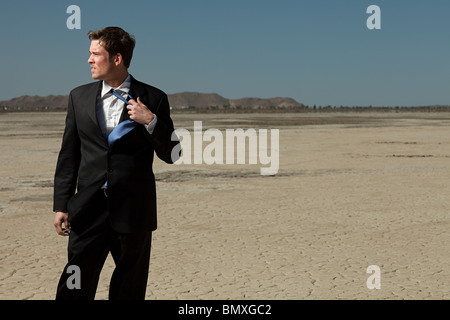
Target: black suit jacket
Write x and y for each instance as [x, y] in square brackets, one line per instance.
[86, 161]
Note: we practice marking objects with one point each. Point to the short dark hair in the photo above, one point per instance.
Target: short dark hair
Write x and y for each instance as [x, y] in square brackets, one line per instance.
[115, 40]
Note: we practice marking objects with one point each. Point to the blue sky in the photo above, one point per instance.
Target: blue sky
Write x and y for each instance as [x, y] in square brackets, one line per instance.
[315, 51]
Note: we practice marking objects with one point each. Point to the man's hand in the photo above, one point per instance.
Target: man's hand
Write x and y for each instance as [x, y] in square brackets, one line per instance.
[139, 112]
[60, 218]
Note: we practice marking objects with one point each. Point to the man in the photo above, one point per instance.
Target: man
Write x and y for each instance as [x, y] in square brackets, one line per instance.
[114, 207]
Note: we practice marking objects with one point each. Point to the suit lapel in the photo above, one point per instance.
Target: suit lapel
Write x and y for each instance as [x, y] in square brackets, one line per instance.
[91, 106]
[92, 102]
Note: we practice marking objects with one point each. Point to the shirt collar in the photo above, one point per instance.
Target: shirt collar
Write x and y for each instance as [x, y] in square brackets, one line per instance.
[125, 86]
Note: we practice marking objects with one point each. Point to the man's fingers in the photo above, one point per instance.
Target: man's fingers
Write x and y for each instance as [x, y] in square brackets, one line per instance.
[60, 218]
[66, 230]
[58, 225]
[139, 111]
[62, 231]
[58, 229]
[134, 103]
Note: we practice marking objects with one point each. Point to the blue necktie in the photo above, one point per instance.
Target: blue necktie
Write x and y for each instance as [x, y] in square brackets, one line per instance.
[124, 127]
[120, 130]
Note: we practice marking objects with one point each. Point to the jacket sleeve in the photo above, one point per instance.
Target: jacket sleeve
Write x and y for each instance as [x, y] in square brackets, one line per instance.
[163, 138]
[66, 172]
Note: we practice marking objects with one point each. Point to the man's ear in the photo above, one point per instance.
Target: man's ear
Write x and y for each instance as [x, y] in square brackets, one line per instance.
[118, 59]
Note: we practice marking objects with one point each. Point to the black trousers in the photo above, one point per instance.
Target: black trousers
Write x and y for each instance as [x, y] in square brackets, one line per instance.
[88, 249]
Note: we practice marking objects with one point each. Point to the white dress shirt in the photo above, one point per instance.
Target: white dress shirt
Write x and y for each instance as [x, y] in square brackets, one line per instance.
[110, 108]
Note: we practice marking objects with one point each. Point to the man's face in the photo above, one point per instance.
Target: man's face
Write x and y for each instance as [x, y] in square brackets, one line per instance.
[102, 66]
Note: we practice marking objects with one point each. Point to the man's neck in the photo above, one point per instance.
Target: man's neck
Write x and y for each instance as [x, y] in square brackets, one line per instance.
[117, 81]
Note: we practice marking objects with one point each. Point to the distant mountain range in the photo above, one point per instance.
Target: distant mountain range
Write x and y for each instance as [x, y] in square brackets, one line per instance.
[183, 100]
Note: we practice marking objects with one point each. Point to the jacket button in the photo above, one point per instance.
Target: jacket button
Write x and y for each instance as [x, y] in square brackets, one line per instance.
[109, 170]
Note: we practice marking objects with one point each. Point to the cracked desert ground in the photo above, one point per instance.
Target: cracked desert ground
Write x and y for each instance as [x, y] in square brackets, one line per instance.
[352, 190]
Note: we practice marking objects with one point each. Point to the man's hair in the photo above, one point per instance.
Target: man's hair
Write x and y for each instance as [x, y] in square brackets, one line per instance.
[115, 40]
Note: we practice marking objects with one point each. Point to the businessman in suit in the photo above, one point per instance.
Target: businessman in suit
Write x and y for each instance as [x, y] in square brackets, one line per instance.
[104, 189]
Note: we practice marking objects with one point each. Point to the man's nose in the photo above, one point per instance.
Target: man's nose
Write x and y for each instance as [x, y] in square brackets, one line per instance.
[90, 60]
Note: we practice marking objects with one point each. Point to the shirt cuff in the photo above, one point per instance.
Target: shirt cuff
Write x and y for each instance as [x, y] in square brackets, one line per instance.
[151, 126]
